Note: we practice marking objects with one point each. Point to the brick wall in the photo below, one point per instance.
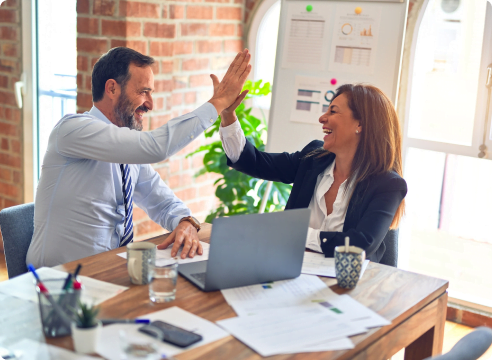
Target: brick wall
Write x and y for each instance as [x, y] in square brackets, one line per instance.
[189, 40]
[11, 177]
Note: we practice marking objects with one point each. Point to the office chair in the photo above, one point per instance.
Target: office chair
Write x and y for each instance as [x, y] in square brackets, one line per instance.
[470, 347]
[390, 256]
[17, 227]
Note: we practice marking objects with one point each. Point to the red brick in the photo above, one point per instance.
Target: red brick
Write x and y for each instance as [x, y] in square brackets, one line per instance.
[139, 9]
[233, 45]
[198, 206]
[140, 46]
[158, 103]
[174, 165]
[206, 190]
[7, 98]
[163, 172]
[17, 177]
[161, 48]
[199, 12]
[163, 85]
[138, 214]
[160, 30]
[93, 62]
[91, 45]
[4, 81]
[157, 121]
[177, 99]
[190, 97]
[9, 190]
[180, 181]
[8, 33]
[240, 30]
[217, 1]
[176, 12]
[80, 81]
[16, 115]
[180, 82]
[5, 144]
[146, 227]
[5, 174]
[88, 83]
[194, 29]
[9, 203]
[10, 50]
[229, 13]
[82, 6]
[87, 25]
[84, 100]
[10, 160]
[104, 7]
[9, 66]
[183, 47]
[164, 12]
[167, 67]
[82, 63]
[222, 29]
[12, 3]
[200, 80]
[186, 194]
[16, 146]
[195, 64]
[120, 28]
[209, 46]
[8, 16]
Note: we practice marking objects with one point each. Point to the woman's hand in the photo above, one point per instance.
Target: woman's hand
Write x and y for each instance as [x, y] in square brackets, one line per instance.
[228, 116]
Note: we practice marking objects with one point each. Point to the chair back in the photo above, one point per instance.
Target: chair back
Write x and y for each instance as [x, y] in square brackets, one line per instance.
[470, 346]
[17, 227]
[390, 256]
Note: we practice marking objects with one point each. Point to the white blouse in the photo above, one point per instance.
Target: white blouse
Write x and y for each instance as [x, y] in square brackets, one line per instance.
[233, 141]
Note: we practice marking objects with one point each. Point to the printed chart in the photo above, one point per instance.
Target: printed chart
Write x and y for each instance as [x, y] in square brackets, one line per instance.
[355, 38]
[306, 36]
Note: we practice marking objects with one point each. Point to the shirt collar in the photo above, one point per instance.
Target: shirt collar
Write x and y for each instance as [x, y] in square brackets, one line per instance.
[98, 114]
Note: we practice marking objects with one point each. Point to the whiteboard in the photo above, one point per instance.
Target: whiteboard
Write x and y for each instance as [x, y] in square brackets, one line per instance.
[331, 41]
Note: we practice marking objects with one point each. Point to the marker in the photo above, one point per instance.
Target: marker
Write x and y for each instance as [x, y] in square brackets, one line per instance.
[125, 321]
[33, 270]
[67, 282]
[309, 8]
[358, 10]
[77, 270]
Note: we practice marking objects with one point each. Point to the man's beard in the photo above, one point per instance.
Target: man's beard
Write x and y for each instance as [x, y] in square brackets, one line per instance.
[125, 113]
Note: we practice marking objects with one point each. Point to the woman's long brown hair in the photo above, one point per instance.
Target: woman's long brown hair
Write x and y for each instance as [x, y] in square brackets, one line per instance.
[379, 149]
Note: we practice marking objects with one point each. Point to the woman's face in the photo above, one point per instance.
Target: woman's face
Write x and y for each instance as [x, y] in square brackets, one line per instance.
[340, 127]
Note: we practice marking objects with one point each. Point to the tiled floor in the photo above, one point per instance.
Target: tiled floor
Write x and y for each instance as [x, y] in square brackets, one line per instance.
[452, 332]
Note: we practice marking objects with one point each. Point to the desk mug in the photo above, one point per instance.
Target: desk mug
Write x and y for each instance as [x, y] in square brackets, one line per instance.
[138, 255]
[348, 265]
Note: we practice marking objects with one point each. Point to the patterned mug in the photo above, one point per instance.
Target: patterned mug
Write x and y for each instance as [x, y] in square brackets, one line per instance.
[138, 255]
[348, 265]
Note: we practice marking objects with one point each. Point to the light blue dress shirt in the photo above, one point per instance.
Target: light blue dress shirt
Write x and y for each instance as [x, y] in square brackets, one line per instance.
[79, 209]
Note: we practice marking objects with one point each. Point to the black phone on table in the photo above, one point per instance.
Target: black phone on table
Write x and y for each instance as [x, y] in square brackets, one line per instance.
[171, 334]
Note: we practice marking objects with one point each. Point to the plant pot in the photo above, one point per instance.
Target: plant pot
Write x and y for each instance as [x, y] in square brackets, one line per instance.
[85, 339]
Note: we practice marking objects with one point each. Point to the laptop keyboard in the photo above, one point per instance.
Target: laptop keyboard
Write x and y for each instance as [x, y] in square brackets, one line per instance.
[200, 277]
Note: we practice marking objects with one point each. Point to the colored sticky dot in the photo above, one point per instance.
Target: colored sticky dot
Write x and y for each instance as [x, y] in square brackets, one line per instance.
[333, 81]
[358, 10]
[309, 8]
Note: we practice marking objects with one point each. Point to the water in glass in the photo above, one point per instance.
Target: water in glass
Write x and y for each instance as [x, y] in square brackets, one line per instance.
[162, 287]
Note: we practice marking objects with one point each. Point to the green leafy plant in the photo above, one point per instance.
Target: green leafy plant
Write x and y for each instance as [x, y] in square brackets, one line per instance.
[86, 315]
[239, 193]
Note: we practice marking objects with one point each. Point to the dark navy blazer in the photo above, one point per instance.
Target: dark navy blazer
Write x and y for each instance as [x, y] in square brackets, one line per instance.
[371, 208]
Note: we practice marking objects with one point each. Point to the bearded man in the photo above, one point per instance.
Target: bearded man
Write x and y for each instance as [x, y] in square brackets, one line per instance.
[97, 164]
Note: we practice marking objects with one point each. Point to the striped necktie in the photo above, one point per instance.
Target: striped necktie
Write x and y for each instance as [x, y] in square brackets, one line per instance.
[128, 199]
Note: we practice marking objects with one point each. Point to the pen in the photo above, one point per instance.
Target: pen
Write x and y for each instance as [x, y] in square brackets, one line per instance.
[33, 270]
[67, 282]
[77, 270]
[125, 321]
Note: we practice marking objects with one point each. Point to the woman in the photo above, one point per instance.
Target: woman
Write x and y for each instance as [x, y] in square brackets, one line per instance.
[351, 181]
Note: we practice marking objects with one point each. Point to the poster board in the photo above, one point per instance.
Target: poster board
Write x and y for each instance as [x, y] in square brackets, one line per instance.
[321, 45]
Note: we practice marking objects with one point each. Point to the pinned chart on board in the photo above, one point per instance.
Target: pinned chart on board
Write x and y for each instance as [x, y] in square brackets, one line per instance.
[321, 45]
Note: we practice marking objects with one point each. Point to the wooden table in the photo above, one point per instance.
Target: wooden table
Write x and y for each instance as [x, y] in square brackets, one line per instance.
[415, 304]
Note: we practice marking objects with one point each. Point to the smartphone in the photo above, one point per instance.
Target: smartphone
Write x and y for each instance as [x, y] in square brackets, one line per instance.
[170, 333]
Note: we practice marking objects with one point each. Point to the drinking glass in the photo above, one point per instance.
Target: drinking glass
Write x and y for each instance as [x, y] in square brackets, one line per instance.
[162, 281]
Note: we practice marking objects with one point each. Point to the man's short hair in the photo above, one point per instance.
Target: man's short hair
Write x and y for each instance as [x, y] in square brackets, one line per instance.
[115, 64]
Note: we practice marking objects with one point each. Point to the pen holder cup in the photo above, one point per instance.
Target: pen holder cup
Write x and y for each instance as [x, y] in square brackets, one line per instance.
[55, 324]
[348, 265]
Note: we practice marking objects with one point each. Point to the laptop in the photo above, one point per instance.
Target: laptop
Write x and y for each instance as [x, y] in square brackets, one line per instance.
[251, 249]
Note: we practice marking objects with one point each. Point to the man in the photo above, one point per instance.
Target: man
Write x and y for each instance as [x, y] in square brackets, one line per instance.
[97, 164]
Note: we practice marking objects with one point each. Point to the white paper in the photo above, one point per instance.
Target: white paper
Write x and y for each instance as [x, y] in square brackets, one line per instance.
[32, 350]
[318, 264]
[94, 291]
[163, 257]
[306, 36]
[305, 289]
[355, 39]
[312, 97]
[287, 330]
[110, 347]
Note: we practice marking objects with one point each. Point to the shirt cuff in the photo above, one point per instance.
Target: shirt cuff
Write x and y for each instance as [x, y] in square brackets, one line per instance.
[230, 130]
[312, 241]
[207, 114]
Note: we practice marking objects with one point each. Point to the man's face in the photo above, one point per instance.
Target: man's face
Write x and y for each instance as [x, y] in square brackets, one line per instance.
[135, 98]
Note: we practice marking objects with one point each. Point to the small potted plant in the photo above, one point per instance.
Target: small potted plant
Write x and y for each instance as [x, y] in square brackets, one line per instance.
[86, 329]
